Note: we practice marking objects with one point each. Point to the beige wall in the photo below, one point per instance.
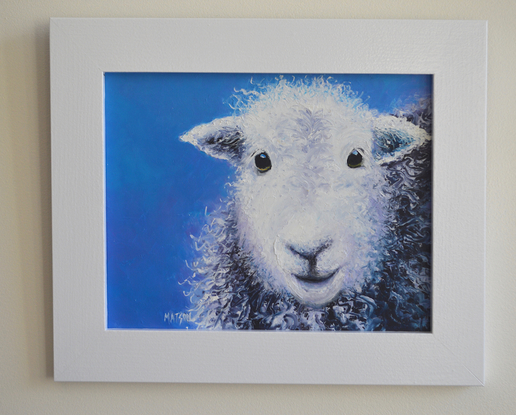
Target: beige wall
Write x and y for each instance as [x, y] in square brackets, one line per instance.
[26, 384]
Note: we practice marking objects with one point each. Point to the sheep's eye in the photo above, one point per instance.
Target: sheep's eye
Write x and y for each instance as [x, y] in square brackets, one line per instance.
[355, 159]
[263, 162]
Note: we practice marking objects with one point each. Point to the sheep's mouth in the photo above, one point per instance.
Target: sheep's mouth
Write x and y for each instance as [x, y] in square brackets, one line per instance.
[315, 278]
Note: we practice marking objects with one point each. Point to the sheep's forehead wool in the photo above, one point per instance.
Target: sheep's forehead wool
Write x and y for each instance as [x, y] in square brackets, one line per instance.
[297, 121]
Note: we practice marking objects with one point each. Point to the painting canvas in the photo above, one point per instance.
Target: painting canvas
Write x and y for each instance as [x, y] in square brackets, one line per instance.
[268, 201]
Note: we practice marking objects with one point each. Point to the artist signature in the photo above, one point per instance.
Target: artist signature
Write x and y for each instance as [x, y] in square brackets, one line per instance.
[177, 317]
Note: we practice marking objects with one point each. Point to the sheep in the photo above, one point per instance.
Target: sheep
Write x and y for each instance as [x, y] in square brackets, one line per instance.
[328, 223]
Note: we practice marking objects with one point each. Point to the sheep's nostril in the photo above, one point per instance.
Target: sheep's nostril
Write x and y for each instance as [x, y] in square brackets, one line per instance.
[309, 253]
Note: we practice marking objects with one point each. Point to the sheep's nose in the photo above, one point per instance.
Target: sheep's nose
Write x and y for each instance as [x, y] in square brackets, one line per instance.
[310, 253]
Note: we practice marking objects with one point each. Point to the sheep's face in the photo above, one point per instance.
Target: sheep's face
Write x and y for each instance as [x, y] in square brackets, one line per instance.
[308, 202]
[308, 198]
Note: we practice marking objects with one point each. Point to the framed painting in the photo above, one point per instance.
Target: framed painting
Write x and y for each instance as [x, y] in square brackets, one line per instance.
[270, 204]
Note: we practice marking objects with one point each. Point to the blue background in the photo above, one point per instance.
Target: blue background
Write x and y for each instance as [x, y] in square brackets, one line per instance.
[158, 188]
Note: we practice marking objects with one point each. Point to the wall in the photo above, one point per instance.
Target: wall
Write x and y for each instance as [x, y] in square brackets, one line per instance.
[26, 384]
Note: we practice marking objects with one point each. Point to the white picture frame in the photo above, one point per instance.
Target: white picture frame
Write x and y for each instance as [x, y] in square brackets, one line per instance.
[454, 52]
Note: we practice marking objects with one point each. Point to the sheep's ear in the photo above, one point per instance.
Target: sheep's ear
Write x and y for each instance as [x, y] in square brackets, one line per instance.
[222, 138]
[394, 137]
